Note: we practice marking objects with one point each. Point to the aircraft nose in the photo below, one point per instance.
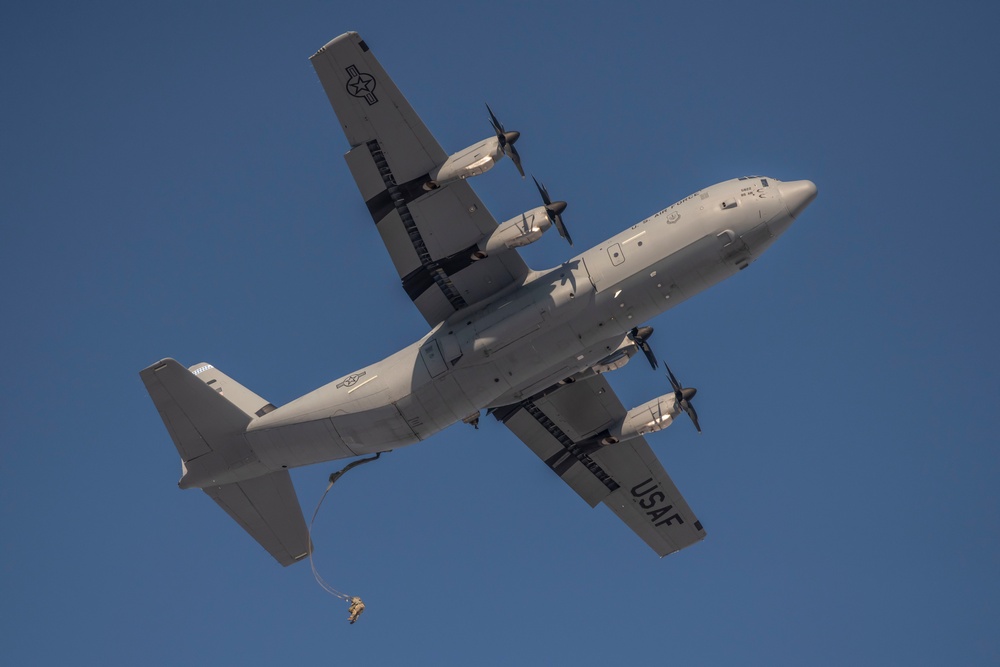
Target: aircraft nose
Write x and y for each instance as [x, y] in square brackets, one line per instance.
[797, 195]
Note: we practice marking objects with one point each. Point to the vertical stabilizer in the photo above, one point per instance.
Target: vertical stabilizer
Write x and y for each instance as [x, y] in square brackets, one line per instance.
[207, 414]
[247, 401]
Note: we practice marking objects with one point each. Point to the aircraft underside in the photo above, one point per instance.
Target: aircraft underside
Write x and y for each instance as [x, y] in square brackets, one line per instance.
[531, 348]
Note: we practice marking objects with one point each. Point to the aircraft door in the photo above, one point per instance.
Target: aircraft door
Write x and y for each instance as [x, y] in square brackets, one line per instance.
[606, 266]
[430, 353]
[451, 348]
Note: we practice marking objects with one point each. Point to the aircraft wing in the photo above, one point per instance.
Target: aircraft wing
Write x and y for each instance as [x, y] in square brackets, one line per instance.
[627, 477]
[430, 235]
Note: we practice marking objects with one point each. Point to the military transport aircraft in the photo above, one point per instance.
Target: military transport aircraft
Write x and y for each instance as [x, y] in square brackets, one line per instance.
[532, 348]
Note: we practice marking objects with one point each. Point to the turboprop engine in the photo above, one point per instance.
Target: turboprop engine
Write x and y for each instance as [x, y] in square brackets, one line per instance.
[652, 416]
[616, 359]
[474, 160]
[525, 228]
[635, 340]
[516, 232]
[478, 158]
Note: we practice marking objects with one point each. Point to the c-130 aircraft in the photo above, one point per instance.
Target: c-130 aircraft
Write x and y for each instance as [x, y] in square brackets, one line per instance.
[532, 348]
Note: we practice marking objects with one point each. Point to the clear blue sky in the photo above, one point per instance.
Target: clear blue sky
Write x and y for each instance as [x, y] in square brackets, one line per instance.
[172, 185]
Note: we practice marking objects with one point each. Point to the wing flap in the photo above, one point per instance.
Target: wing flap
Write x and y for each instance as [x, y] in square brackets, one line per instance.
[399, 244]
[560, 426]
[442, 204]
[366, 176]
[557, 457]
[430, 235]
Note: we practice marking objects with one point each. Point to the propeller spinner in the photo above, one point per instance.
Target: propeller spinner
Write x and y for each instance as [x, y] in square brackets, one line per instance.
[683, 396]
[506, 140]
[553, 210]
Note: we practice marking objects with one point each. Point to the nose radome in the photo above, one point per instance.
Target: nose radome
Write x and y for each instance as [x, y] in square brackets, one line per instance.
[797, 195]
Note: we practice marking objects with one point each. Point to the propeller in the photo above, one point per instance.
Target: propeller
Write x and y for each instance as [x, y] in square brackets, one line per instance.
[640, 336]
[506, 140]
[553, 210]
[683, 396]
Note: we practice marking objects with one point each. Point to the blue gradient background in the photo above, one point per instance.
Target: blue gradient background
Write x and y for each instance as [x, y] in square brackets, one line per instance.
[171, 184]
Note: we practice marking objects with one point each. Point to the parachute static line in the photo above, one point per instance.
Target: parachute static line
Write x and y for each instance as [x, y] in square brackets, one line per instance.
[356, 605]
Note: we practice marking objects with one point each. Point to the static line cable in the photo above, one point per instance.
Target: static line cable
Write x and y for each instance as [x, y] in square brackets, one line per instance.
[356, 605]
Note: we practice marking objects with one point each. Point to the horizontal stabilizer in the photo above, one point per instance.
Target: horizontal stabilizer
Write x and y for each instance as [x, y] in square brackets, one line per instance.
[269, 510]
[207, 413]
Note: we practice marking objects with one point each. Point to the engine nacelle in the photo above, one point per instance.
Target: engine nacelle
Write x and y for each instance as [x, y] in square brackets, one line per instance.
[616, 359]
[652, 416]
[474, 160]
[516, 232]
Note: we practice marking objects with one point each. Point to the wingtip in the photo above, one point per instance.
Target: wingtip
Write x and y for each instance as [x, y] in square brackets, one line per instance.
[339, 38]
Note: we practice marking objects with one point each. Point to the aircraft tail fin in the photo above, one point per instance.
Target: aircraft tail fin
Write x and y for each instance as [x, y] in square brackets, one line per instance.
[247, 401]
[205, 426]
[207, 414]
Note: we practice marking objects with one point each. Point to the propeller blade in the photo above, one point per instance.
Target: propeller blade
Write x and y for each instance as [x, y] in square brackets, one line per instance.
[506, 140]
[497, 126]
[514, 156]
[683, 395]
[689, 409]
[640, 336]
[673, 381]
[563, 232]
[553, 210]
[542, 191]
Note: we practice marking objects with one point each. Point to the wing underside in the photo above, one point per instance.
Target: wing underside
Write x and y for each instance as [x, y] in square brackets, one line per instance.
[431, 235]
[268, 509]
[627, 477]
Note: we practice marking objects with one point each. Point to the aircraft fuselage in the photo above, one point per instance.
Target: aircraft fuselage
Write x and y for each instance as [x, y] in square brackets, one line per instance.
[558, 323]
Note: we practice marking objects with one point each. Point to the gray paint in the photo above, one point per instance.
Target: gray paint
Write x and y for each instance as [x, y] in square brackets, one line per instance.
[502, 335]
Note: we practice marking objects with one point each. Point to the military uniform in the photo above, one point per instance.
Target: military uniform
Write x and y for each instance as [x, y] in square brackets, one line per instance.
[357, 606]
